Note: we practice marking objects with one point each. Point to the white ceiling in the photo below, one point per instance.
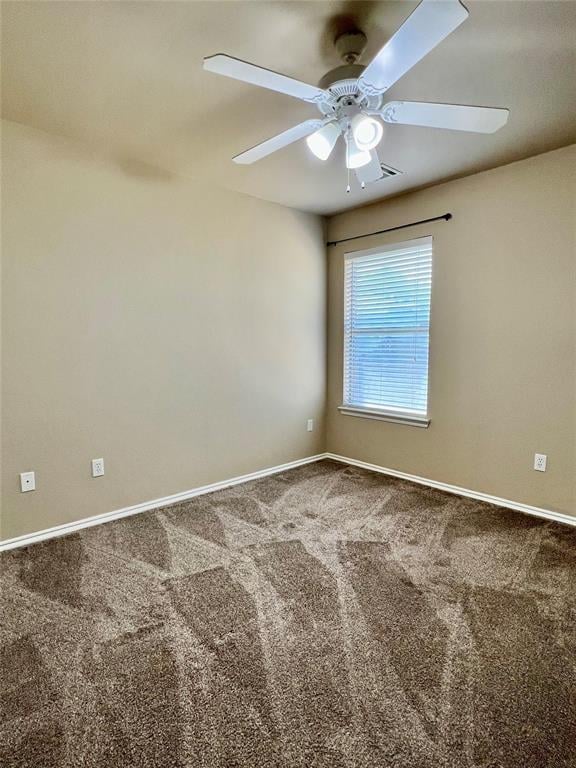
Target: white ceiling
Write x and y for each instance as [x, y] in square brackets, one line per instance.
[127, 78]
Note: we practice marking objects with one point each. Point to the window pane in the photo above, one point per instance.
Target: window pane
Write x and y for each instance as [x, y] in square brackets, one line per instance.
[387, 315]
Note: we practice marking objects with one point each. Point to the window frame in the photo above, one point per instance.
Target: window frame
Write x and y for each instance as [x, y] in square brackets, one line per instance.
[390, 414]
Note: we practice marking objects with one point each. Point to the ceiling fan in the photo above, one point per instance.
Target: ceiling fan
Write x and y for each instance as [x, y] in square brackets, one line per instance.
[351, 97]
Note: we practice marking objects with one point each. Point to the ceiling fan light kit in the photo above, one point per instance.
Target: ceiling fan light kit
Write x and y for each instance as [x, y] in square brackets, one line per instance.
[322, 142]
[355, 157]
[350, 98]
[367, 131]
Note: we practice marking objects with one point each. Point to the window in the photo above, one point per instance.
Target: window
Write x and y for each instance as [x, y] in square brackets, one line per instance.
[386, 332]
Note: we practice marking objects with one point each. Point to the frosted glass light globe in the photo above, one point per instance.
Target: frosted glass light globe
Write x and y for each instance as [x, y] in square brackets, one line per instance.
[367, 132]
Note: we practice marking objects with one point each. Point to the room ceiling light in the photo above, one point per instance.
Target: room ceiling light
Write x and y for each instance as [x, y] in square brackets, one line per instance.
[321, 143]
[367, 132]
[355, 158]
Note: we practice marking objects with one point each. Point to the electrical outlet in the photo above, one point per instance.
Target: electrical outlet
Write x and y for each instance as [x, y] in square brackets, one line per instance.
[310, 425]
[27, 481]
[97, 467]
[540, 462]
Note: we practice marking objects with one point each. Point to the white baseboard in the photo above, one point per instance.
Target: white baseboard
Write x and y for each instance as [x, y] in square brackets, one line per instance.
[547, 514]
[88, 522]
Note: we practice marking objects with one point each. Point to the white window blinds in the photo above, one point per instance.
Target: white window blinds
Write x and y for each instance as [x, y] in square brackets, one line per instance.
[386, 328]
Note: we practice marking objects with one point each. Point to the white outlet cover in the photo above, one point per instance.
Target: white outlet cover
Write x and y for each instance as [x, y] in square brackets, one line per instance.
[97, 467]
[27, 481]
[310, 425]
[540, 462]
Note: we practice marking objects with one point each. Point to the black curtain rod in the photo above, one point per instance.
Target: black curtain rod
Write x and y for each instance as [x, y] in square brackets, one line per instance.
[444, 217]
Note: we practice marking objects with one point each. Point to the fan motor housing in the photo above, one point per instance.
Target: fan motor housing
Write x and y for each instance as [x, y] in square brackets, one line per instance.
[344, 72]
[341, 86]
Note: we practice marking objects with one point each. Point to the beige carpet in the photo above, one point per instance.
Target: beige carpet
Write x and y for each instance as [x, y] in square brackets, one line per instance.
[326, 617]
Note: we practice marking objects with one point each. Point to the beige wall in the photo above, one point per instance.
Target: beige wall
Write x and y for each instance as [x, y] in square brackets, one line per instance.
[177, 331]
[503, 334]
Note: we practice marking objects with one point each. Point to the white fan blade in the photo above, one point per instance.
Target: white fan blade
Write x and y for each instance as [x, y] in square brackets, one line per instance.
[278, 142]
[454, 117]
[370, 172]
[221, 64]
[423, 30]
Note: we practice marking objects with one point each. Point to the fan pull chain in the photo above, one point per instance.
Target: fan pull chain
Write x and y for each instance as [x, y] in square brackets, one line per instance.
[348, 166]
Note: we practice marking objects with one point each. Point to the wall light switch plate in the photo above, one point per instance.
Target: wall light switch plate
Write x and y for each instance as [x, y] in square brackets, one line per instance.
[97, 467]
[27, 481]
[540, 462]
[310, 425]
